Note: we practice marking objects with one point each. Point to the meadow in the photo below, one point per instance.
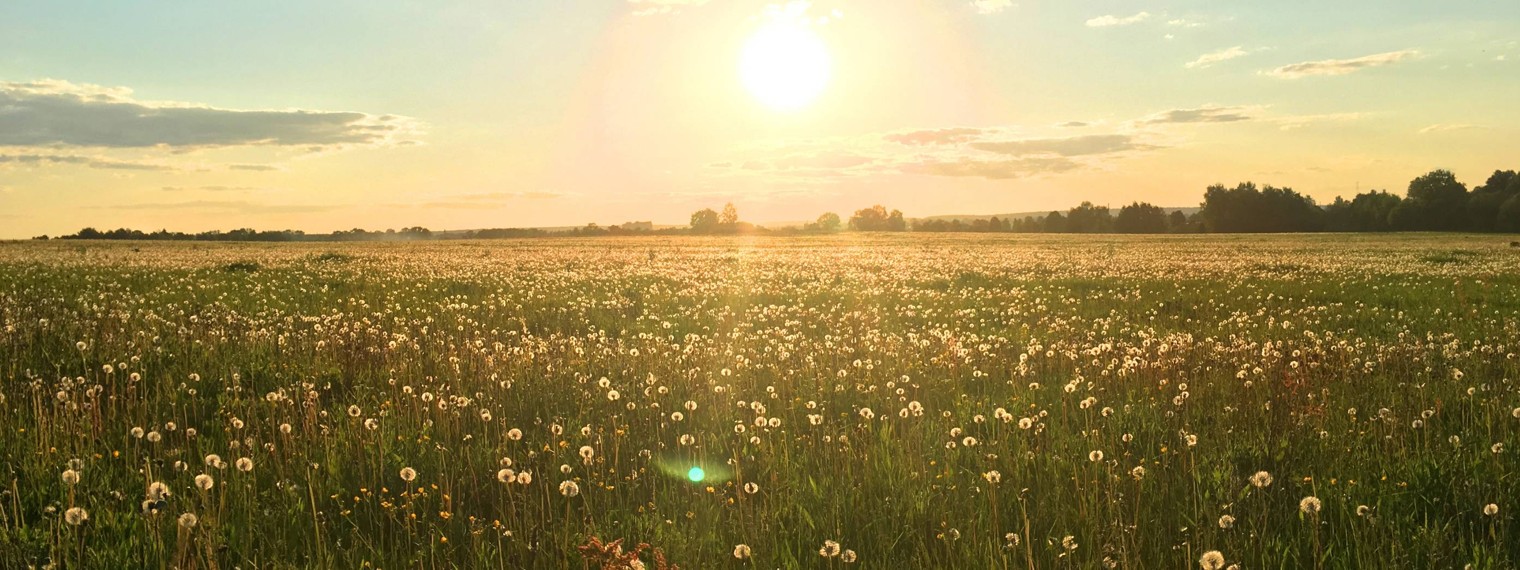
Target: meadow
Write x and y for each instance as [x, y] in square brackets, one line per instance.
[908, 401]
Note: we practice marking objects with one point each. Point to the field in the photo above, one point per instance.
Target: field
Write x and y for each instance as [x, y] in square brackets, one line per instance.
[830, 402]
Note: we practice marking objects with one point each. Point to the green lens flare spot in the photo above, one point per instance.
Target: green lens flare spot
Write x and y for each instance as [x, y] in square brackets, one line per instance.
[696, 474]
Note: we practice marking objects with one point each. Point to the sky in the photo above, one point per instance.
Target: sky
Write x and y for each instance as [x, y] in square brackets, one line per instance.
[463, 114]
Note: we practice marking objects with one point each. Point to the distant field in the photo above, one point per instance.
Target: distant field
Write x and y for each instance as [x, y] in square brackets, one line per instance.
[908, 401]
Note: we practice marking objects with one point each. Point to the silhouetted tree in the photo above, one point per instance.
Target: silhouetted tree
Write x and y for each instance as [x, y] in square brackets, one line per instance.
[1140, 218]
[730, 215]
[1246, 208]
[873, 219]
[1436, 202]
[704, 221]
[1089, 219]
[1055, 223]
[829, 222]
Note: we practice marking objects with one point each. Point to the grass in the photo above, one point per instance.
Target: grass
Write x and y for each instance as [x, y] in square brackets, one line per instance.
[917, 399]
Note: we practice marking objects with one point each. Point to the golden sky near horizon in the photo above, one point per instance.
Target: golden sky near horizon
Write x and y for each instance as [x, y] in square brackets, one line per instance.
[480, 114]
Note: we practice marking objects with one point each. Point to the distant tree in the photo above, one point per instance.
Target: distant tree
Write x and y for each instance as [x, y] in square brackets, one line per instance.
[1486, 201]
[1177, 222]
[1055, 223]
[730, 215]
[896, 222]
[829, 222]
[873, 219]
[1436, 202]
[1246, 209]
[1367, 212]
[704, 221]
[1509, 215]
[1089, 219]
[1140, 218]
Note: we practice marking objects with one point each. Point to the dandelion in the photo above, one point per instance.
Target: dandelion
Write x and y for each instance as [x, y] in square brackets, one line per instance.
[354, 411]
[137, 432]
[215, 461]
[1212, 560]
[867, 413]
[204, 482]
[514, 434]
[1226, 522]
[1491, 509]
[155, 437]
[1497, 448]
[586, 453]
[751, 488]
[993, 477]
[569, 489]
[408, 474]
[70, 477]
[830, 549]
[1138, 472]
[157, 491]
[1261, 480]
[285, 429]
[187, 521]
[1025, 423]
[1069, 542]
[1095, 456]
[1363, 510]
[848, 556]
[244, 464]
[506, 476]
[76, 516]
[741, 551]
[1011, 540]
[524, 478]
[1309, 505]
[371, 424]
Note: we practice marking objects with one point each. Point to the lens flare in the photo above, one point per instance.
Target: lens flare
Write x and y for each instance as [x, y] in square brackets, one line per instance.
[696, 474]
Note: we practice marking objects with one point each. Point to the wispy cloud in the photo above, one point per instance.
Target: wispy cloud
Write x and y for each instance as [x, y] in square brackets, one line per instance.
[990, 169]
[952, 135]
[1448, 127]
[1212, 58]
[1292, 122]
[52, 113]
[1070, 146]
[1342, 66]
[487, 200]
[1108, 21]
[235, 206]
[76, 160]
[209, 188]
[990, 6]
[1204, 114]
[255, 167]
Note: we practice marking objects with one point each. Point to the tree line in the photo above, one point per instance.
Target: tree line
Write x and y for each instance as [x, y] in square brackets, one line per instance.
[1435, 201]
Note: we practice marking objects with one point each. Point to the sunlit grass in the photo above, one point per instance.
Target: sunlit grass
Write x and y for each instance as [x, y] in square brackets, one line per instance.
[910, 401]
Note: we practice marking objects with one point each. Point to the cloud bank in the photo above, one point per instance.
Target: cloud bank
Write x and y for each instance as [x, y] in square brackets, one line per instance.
[60, 113]
[1342, 66]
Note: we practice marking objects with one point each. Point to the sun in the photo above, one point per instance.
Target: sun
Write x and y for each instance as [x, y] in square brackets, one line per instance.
[785, 65]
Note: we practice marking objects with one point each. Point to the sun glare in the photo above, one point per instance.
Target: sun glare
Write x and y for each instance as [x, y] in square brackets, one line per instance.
[785, 65]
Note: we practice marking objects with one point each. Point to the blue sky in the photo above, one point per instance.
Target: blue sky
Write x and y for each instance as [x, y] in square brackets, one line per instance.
[467, 114]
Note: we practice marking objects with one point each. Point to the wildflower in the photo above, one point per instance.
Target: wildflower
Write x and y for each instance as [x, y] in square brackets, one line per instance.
[1069, 542]
[613, 395]
[157, 491]
[525, 478]
[867, 413]
[1491, 509]
[751, 488]
[506, 476]
[586, 453]
[1025, 423]
[408, 474]
[354, 411]
[1261, 480]
[830, 549]
[993, 477]
[741, 551]
[1212, 560]
[76, 516]
[848, 557]
[1309, 505]
[1138, 472]
[1095, 456]
[70, 477]
[1363, 510]
[204, 482]
[514, 434]
[215, 460]
[187, 521]
[569, 489]
[371, 424]
[244, 464]
[1226, 521]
